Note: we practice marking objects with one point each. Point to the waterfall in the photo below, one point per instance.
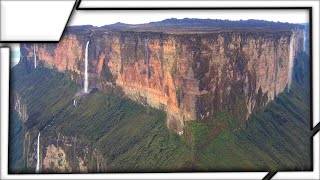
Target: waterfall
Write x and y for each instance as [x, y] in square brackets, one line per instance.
[291, 58]
[38, 154]
[35, 56]
[304, 41]
[38, 148]
[86, 70]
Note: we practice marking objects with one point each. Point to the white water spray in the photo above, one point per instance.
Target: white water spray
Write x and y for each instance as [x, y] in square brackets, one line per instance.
[291, 58]
[304, 38]
[38, 154]
[35, 56]
[38, 148]
[304, 41]
[86, 83]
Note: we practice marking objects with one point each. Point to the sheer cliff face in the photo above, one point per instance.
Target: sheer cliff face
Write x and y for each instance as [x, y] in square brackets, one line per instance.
[191, 76]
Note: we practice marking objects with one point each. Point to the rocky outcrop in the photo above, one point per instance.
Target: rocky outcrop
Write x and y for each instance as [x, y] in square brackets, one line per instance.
[20, 106]
[55, 160]
[63, 154]
[192, 76]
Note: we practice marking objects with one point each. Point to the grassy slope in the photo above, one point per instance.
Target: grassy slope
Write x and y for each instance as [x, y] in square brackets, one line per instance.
[16, 143]
[135, 138]
[44, 91]
[130, 136]
[276, 139]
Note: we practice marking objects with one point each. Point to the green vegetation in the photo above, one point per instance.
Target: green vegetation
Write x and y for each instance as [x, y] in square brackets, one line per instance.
[16, 161]
[275, 139]
[129, 136]
[155, 57]
[43, 90]
[134, 138]
[174, 67]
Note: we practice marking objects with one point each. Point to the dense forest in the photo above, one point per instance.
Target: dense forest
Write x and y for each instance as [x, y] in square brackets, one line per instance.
[132, 137]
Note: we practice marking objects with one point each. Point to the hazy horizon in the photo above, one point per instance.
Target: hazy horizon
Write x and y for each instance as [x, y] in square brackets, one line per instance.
[101, 18]
[185, 18]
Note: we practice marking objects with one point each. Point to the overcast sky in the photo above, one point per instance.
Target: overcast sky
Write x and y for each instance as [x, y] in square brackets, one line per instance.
[100, 18]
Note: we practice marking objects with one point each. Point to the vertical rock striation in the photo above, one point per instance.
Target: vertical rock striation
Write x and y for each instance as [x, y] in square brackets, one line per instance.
[192, 76]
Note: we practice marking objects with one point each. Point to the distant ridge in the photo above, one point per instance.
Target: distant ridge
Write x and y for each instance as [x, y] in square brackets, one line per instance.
[227, 23]
[193, 24]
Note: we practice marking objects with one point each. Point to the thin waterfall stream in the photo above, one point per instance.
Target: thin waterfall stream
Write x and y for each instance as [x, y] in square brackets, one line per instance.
[38, 147]
[291, 58]
[86, 83]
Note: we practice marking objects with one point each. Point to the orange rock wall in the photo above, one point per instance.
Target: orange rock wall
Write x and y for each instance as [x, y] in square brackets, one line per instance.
[190, 76]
